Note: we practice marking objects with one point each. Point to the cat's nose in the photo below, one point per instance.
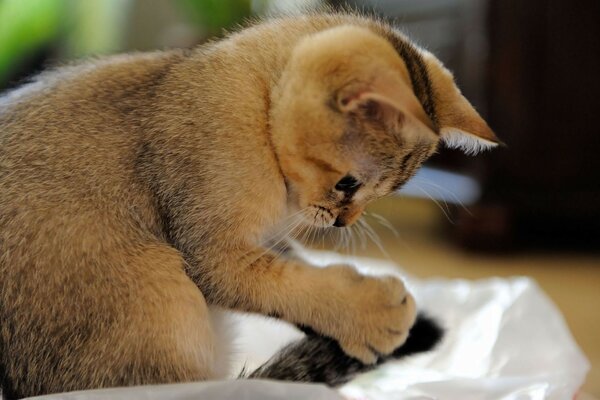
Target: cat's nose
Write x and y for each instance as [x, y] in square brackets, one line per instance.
[339, 222]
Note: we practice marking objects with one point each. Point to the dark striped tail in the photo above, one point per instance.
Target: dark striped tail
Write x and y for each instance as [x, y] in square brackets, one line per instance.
[320, 359]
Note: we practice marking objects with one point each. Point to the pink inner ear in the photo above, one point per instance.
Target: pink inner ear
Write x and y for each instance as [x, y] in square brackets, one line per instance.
[383, 110]
[345, 101]
[351, 101]
[394, 97]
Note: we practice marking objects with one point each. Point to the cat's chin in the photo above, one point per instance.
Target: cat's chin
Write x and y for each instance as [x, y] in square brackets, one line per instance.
[311, 216]
[309, 223]
[324, 226]
[318, 220]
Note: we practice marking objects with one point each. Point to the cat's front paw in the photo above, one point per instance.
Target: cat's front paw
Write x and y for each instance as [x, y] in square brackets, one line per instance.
[373, 314]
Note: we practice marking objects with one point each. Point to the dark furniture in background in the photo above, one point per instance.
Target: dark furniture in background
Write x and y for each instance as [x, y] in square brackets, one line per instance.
[543, 99]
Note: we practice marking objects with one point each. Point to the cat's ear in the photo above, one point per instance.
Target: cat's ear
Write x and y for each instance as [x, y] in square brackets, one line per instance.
[460, 126]
[390, 101]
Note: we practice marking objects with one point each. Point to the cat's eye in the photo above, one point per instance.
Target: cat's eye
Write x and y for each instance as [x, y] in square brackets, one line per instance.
[348, 184]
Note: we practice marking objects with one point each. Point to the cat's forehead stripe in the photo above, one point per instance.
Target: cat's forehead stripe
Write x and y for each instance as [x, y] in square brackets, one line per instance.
[418, 74]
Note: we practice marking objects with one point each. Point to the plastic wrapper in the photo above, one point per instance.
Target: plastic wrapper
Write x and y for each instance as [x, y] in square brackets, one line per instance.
[504, 340]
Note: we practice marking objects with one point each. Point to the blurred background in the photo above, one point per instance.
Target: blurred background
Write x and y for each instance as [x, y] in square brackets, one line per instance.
[532, 69]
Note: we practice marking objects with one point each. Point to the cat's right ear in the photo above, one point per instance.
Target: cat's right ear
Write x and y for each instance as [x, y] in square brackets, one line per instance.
[388, 100]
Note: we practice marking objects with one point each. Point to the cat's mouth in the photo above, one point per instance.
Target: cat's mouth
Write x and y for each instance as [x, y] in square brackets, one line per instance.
[321, 217]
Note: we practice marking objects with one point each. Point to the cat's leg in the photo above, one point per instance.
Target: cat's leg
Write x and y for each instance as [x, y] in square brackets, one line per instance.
[368, 316]
[320, 359]
[130, 318]
[170, 336]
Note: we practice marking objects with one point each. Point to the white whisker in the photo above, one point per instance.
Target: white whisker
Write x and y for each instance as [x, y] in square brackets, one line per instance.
[384, 222]
[361, 235]
[437, 203]
[443, 190]
[375, 238]
[352, 241]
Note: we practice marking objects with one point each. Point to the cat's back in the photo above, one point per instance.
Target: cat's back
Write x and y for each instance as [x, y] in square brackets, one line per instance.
[75, 123]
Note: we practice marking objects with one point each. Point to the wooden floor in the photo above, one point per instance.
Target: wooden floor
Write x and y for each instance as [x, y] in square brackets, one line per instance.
[572, 280]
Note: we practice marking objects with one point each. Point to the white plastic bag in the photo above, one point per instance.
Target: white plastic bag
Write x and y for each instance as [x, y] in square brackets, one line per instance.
[504, 340]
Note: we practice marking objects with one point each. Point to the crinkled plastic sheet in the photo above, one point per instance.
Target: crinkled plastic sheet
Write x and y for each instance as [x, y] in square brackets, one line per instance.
[504, 340]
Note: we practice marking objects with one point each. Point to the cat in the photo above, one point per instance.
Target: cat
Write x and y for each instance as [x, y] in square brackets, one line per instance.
[138, 191]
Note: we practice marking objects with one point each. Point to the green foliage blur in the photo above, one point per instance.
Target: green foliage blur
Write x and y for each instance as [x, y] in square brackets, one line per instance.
[215, 15]
[75, 28]
[24, 27]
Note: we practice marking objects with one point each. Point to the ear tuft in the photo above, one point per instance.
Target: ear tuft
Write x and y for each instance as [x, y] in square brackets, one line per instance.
[460, 125]
[470, 144]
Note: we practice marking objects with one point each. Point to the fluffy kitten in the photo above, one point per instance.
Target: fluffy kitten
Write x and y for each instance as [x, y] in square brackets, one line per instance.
[138, 190]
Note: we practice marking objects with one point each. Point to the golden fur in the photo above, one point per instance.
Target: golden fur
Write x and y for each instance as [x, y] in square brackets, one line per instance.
[138, 190]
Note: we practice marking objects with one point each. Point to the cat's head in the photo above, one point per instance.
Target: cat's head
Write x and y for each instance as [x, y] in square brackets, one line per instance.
[347, 127]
